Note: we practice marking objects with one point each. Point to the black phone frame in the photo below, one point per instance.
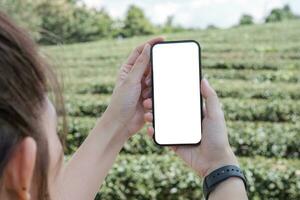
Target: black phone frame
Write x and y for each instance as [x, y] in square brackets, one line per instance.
[200, 78]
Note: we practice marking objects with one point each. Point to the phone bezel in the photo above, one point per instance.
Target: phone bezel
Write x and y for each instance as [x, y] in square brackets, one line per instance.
[200, 78]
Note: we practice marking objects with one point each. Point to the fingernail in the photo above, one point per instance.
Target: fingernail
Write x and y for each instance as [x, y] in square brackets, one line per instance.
[206, 81]
[148, 81]
[147, 48]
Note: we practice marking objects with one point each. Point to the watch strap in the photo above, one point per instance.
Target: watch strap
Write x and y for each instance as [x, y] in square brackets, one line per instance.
[219, 175]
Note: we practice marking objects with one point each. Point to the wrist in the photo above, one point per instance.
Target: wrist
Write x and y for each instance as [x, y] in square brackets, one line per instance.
[231, 188]
[227, 157]
[116, 129]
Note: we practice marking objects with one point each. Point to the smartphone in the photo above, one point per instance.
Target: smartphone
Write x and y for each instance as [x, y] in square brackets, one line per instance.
[177, 101]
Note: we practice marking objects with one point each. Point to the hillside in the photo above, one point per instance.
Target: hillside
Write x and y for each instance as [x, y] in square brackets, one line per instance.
[256, 72]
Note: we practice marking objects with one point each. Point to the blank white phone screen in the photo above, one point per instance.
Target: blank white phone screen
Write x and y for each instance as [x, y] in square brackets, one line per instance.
[176, 93]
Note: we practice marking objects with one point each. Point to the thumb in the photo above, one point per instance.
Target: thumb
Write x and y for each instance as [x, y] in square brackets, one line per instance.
[213, 107]
[140, 64]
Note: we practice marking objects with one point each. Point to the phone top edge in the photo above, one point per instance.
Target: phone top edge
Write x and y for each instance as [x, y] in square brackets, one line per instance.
[177, 41]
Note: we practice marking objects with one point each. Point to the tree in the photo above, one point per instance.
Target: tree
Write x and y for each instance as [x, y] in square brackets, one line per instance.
[57, 23]
[136, 23]
[246, 20]
[280, 14]
[63, 21]
[105, 23]
[68, 21]
[169, 25]
[23, 12]
[170, 21]
[211, 27]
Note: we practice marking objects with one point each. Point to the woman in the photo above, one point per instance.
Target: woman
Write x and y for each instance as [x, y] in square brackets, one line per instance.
[31, 154]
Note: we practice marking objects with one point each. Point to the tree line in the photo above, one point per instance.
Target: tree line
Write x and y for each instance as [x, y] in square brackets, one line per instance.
[276, 15]
[65, 21]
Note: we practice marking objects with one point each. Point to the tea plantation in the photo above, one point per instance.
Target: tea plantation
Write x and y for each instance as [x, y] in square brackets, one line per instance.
[255, 71]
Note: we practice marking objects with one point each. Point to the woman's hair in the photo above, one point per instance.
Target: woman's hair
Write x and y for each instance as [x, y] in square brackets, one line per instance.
[25, 79]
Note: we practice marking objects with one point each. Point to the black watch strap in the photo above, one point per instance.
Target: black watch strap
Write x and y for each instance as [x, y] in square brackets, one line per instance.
[219, 175]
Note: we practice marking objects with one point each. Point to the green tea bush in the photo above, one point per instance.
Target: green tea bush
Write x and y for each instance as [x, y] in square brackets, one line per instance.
[166, 177]
[78, 128]
[255, 70]
[96, 88]
[224, 88]
[261, 110]
[239, 65]
[286, 76]
[234, 109]
[265, 139]
[247, 139]
[89, 105]
[256, 90]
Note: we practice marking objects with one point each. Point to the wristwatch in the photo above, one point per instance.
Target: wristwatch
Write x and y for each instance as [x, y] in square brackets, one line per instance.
[219, 175]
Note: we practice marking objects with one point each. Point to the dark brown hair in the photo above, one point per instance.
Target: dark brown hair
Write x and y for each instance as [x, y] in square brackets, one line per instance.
[25, 79]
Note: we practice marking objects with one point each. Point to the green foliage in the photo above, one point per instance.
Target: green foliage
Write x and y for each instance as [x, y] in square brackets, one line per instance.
[23, 12]
[235, 109]
[246, 20]
[264, 76]
[258, 90]
[87, 105]
[64, 22]
[59, 21]
[254, 69]
[261, 110]
[170, 27]
[167, 178]
[225, 88]
[280, 14]
[136, 23]
[259, 138]
[257, 79]
[211, 27]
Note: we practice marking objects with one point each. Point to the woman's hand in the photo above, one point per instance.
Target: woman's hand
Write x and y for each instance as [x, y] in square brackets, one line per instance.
[214, 150]
[126, 102]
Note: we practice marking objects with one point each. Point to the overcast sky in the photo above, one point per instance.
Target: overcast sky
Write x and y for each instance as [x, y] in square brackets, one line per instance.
[196, 13]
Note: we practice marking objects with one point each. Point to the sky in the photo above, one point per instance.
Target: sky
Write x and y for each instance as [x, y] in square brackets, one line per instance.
[196, 13]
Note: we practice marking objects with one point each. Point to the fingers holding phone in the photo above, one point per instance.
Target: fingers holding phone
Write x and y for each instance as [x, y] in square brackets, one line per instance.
[125, 106]
[214, 150]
